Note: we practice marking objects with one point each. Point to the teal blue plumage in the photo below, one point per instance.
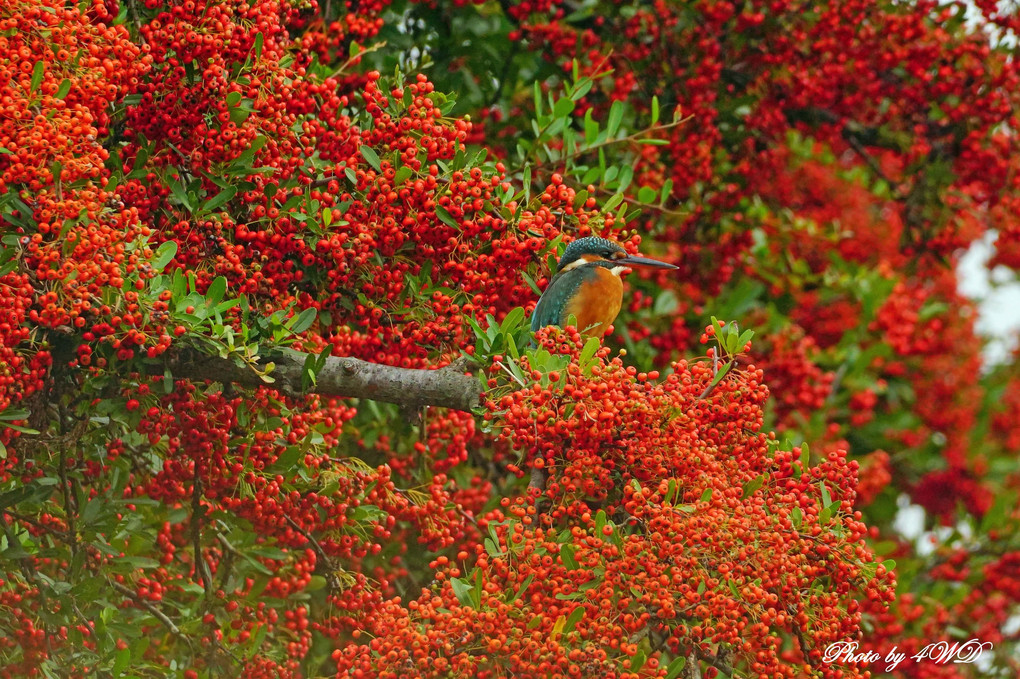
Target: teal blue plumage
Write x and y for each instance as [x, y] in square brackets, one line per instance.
[562, 287]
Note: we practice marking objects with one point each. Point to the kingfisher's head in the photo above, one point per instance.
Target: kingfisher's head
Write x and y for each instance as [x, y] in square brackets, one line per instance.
[594, 251]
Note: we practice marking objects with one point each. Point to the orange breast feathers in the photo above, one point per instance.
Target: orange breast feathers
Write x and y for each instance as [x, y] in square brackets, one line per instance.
[596, 303]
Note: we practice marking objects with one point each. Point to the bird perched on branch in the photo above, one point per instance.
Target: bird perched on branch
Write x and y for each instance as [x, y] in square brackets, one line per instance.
[588, 285]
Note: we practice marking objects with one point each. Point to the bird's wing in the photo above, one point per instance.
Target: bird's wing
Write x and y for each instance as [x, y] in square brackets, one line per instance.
[550, 306]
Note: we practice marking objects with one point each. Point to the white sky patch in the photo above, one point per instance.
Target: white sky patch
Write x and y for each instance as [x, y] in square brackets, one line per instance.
[997, 293]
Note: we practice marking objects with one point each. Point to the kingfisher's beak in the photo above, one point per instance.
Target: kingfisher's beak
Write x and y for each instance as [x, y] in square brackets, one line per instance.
[645, 261]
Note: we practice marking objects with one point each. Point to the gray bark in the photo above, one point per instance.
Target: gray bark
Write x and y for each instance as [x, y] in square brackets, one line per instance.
[447, 387]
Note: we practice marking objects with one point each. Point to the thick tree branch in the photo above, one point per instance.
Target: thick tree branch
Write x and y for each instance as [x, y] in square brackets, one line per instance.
[340, 377]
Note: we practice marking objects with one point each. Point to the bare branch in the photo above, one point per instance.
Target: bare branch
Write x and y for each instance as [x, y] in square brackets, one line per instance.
[340, 377]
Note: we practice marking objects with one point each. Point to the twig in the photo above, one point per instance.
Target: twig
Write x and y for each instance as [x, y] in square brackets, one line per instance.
[153, 611]
[133, 12]
[327, 561]
[648, 206]
[227, 562]
[88, 623]
[505, 75]
[69, 511]
[201, 567]
[851, 137]
[32, 522]
[368, 50]
[609, 142]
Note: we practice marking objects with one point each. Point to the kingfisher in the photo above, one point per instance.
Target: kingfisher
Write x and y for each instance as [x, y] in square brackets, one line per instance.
[588, 285]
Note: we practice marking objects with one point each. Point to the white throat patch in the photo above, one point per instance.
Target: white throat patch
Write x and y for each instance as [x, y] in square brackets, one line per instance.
[580, 261]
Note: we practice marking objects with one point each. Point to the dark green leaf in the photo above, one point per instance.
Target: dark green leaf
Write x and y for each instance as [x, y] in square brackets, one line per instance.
[372, 157]
[216, 291]
[304, 321]
[753, 485]
[522, 589]
[64, 88]
[674, 669]
[575, 617]
[446, 217]
[220, 198]
[37, 76]
[567, 556]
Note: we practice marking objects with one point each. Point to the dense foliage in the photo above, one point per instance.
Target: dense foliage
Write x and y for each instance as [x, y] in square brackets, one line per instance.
[392, 181]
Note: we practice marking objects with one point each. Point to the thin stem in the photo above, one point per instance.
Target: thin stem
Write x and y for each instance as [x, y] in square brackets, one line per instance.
[201, 567]
[152, 610]
[608, 142]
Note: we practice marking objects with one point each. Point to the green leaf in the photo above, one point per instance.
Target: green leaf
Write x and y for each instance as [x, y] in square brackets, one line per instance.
[259, 41]
[707, 495]
[638, 661]
[216, 290]
[646, 194]
[575, 617]
[796, 518]
[18, 427]
[180, 193]
[535, 622]
[582, 88]
[402, 175]
[522, 589]
[563, 108]
[64, 88]
[567, 555]
[531, 283]
[37, 76]
[445, 217]
[674, 669]
[721, 374]
[753, 485]
[655, 110]
[512, 320]
[588, 351]
[304, 321]
[591, 129]
[615, 118]
[15, 497]
[613, 201]
[666, 192]
[372, 157]
[221, 198]
[164, 253]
